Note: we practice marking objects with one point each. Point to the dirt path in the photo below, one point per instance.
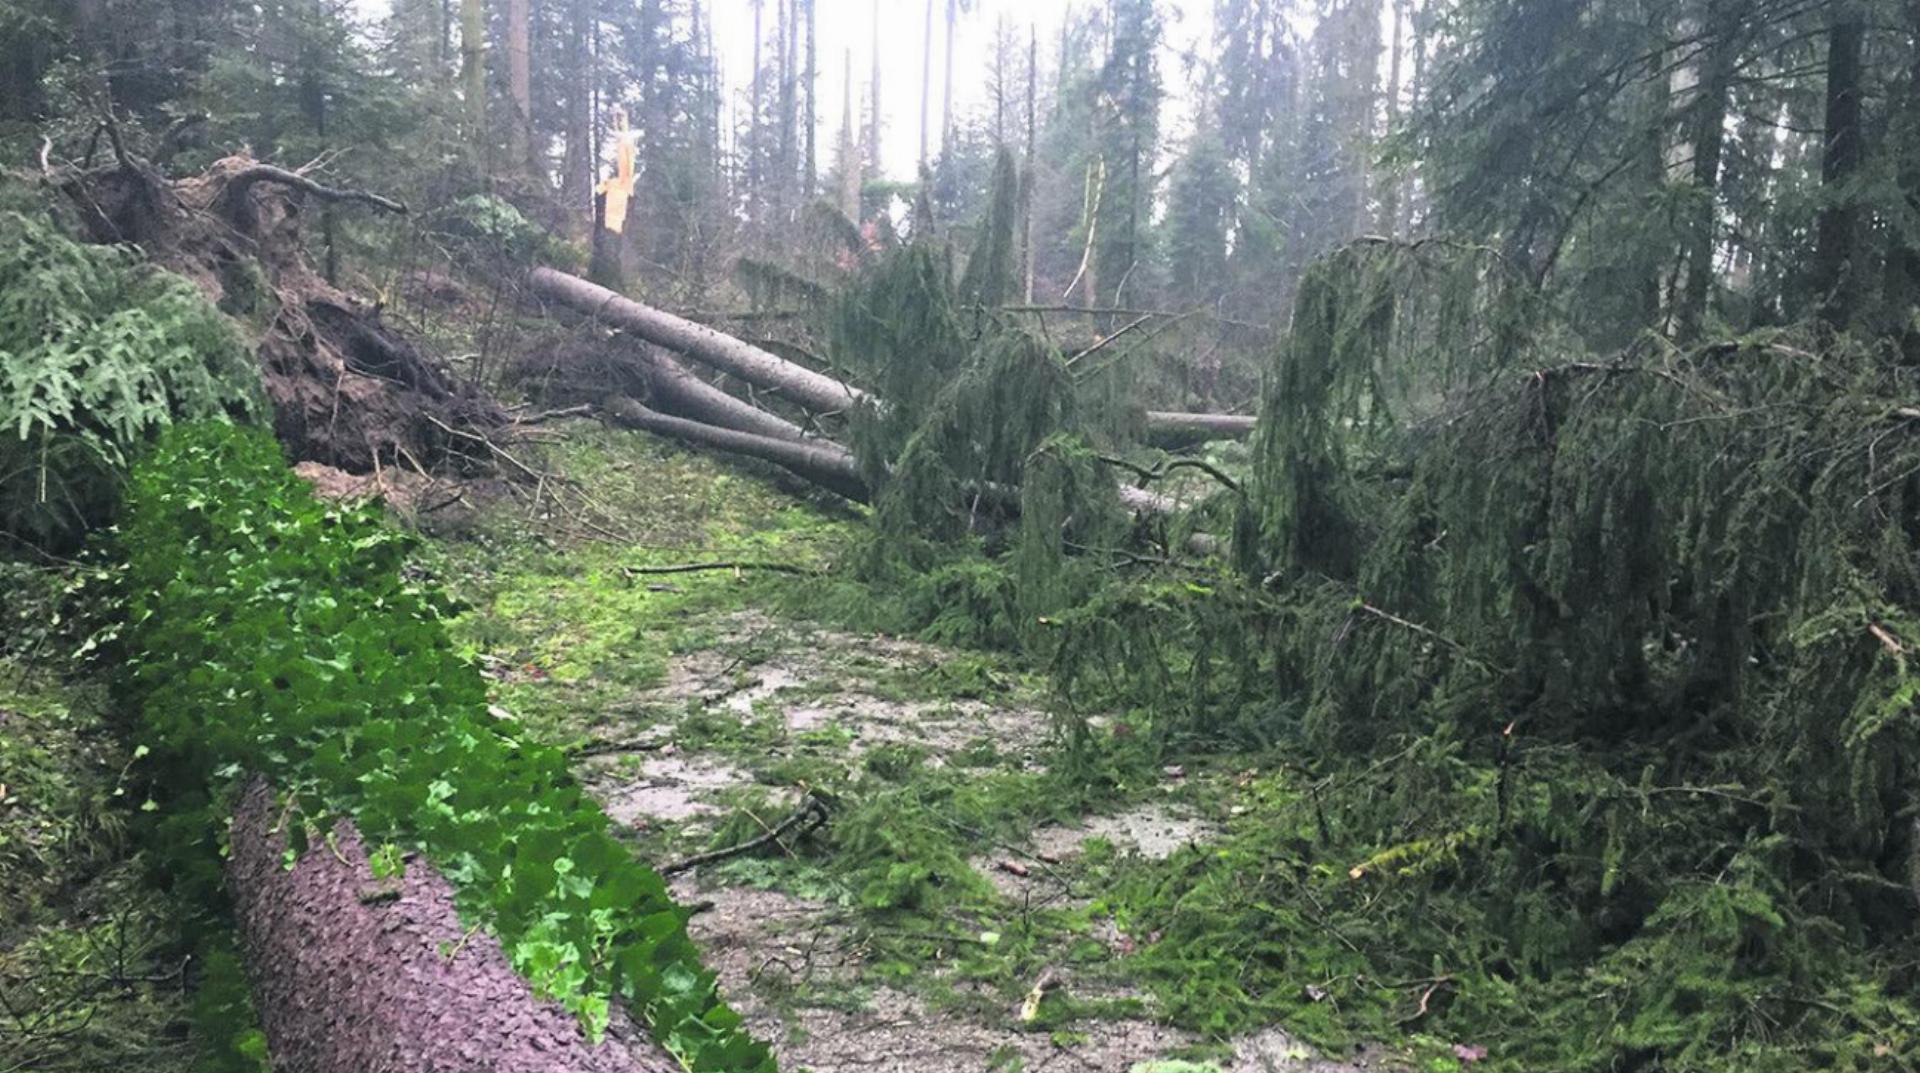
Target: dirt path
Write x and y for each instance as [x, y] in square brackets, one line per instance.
[726, 732]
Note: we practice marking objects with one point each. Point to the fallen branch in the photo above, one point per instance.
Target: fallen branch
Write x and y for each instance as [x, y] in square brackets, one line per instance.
[1165, 469]
[812, 812]
[543, 416]
[732, 564]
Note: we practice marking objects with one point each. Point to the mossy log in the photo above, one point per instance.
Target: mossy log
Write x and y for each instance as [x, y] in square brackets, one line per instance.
[353, 974]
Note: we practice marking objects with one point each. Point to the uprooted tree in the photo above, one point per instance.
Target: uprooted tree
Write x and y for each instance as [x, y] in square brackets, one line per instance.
[346, 390]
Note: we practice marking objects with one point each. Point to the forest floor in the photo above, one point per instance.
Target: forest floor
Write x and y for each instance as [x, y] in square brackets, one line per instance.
[952, 910]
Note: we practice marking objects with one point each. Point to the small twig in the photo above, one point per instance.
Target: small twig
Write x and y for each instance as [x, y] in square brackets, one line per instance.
[613, 748]
[1887, 640]
[1440, 638]
[1129, 326]
[812, 809]
[1161, 471]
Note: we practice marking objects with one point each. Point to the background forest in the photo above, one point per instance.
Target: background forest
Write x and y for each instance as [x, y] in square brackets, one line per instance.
[1472, 447]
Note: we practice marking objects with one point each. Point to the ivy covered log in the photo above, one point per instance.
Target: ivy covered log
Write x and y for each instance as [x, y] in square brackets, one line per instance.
[354, 973]
[274, 639]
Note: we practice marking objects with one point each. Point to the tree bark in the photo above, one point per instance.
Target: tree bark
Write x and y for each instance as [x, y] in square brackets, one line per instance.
[813, 106]
[1168, 428]
[926, 83]
[803, 386]
[1834, 242]
[946, 97]
[677, 389]
[577, 168]
[1026, 171]
[353, 974]
[1709, 137]
[873, 101]
[519, 86]
[827, 465]
[473, 75]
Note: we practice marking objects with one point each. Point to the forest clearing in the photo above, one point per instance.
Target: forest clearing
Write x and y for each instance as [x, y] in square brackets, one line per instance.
[1154, 536]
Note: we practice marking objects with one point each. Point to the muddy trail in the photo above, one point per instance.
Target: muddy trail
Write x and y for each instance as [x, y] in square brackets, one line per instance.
[804, 969]
[935, 895]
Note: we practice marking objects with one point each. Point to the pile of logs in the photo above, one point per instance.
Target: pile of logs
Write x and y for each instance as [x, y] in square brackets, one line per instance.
[683, 406]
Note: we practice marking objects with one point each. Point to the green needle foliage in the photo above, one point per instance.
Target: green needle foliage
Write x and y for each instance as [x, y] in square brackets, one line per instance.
[1592, 678]
[97, 353]
[275, 635]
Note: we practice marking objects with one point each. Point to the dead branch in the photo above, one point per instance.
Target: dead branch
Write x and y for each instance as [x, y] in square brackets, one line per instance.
[241, 180]
[732, 564]
[1166, 468]
[812, 812]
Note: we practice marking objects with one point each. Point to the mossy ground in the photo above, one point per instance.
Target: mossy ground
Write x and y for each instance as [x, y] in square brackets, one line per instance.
[969, 859]
[90, 974]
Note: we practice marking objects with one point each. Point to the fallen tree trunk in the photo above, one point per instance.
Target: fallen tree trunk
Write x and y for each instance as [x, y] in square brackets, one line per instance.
[1168, 428]
[675, 387]
[815, 391]
[353, 974]
[825, 464]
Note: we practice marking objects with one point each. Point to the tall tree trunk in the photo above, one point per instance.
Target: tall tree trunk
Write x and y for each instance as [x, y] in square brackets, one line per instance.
[1709, 122]
[473, 77]
[577, 169]
[849, 146]
[1834, 249]
[873, 100]
[755, 132]
[1026, 172]
[789, 76]
[519, 86]
[1905, 292]
[813, 103]
[1390, 192]
[926, 84]
[946, 96]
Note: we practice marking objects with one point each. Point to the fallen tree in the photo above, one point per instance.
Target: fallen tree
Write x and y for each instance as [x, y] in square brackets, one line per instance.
[1170, 428]
[276, 641]
[814, 391]
[351, 972]
[347, 390]
[823, 463]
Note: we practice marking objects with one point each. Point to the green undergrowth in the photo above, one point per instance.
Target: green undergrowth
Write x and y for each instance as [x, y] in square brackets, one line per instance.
[270, 634]
[1588, 678]
[565, 627]
[91, 974]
